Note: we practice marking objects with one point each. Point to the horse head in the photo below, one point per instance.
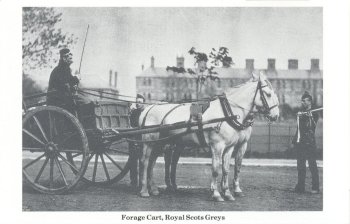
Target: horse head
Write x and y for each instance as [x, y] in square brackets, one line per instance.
[266, 100]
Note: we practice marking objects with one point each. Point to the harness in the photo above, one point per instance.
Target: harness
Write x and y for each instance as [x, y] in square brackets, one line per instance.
[230, 118]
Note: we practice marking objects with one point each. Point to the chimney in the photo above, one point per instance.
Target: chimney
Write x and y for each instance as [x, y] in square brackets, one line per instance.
[315, 64]
[271, 64]
[110, 78]
[249, 64]
[292, 64]
[152, 62]
[142, 67]
[180, 62]
[115, 79]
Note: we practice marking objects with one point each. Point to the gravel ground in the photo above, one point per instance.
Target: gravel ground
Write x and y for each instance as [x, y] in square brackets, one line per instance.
[265, 188]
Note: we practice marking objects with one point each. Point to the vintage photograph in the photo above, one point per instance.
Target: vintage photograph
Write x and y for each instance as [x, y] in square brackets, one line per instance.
[172, 109]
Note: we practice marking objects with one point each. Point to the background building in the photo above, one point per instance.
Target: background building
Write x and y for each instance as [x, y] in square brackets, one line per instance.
[158, 84]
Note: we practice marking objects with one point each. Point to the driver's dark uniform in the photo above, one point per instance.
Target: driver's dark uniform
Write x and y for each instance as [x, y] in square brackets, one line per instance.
[306, 150]
[61, 88]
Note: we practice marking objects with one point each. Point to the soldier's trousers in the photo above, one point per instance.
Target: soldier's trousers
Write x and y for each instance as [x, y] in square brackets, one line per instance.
[307, 153]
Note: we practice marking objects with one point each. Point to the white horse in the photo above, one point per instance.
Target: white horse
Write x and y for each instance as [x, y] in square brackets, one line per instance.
[223, 138]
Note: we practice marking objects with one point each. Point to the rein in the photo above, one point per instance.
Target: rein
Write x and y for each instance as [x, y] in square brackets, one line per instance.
[234, 123]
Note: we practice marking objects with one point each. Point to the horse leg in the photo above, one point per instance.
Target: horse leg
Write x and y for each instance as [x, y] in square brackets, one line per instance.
[216, 151]
[238, 164]
[152, 161]
[167, 160]
[226, 159]
[146, 151]
[174, 160]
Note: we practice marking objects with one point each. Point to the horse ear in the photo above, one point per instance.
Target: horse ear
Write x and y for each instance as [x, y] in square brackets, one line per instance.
[255, 77]
[262, 75]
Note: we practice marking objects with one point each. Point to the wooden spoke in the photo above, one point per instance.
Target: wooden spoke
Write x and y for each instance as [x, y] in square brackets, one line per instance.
[105, 167]
[34, 161]
[51, 172]
[69, 164]
[69, 137]
[114, 162]
[95, 168]
[41, 170]
[51, 126]
[33, 136]
[40, 127]
[61, 171]
[33, 149]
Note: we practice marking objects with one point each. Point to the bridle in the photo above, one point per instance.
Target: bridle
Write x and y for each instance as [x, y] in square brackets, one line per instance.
[266, 108]
[248, 121]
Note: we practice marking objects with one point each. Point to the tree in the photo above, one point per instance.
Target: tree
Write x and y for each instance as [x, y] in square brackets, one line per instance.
[40, 36]
[204, 74]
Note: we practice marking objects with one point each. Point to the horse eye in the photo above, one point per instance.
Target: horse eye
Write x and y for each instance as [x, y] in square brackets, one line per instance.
[268, 93]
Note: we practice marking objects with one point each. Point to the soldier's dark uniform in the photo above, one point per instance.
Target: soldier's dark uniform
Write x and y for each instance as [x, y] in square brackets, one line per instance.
[306, 150]
[135, 148]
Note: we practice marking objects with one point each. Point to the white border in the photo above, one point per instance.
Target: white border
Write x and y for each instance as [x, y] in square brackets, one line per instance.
[336, 113]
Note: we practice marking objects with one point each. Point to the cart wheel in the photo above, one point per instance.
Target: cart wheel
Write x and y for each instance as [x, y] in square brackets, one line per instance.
[52, 138]
[108, 165]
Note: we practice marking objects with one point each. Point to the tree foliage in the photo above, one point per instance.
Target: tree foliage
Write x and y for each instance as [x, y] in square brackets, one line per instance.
[204, 73]
[40, 36]
[29, 87]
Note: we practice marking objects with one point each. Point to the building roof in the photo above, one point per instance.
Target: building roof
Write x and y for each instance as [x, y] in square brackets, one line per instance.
[223, 72]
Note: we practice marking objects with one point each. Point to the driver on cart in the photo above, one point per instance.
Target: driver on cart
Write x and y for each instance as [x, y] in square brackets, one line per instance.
[62, 90]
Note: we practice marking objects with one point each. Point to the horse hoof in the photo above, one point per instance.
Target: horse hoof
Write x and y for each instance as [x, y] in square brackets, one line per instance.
[217, 198]
[154, 192]
[239, 194]
[144, 194]
[229, 198]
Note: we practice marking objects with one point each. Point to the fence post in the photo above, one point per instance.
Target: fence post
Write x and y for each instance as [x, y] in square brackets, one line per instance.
[269, 140]
[289, 137]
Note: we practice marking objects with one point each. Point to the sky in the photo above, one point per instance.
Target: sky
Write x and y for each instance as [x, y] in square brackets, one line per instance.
[124, 39]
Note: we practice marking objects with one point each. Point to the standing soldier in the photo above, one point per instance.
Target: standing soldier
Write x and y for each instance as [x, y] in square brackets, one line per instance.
[305, 145]
[133, 146]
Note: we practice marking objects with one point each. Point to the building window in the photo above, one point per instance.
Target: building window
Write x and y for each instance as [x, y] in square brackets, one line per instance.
[219, 82]
[144, 82]
[189, 96]
[304, 84]
[278, 84]
[149, 96]
[149, 81]
[231, 83]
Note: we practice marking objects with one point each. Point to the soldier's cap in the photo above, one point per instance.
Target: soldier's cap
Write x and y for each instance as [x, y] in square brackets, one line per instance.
[140, 96]
[306, 95]
[64, 52]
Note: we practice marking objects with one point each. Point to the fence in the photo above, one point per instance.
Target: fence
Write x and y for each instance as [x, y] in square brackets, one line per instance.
[274, 141]
[270, 141]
